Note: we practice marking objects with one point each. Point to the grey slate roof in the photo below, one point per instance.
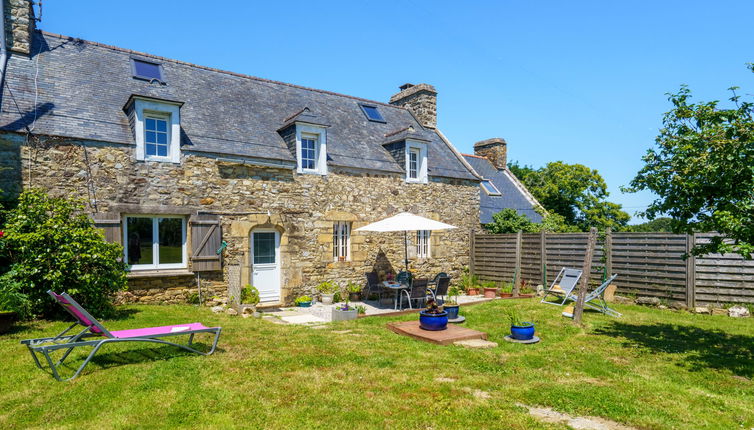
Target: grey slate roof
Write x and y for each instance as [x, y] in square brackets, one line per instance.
[513, 195]
[83, 86]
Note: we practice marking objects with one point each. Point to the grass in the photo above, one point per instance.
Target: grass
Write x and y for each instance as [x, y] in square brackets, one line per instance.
[649, 369]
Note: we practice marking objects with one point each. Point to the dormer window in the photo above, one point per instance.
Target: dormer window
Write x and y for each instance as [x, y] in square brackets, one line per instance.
[311, 149]
[372, 113]
[416, 161]
[156, 126]
[146, 70]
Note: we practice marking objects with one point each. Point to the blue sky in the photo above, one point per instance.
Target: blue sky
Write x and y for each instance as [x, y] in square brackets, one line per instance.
[583, 82]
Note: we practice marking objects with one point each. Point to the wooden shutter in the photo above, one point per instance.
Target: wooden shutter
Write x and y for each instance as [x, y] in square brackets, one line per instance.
[110, 224]
[206, 239]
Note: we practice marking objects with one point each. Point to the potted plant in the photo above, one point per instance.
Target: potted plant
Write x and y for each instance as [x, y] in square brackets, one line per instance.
[303, 301]
[327, 290]
[469, 282]
[506, 290]
[344, 312]
[526, 289]
[249, 299]
[451, 304]
[520, 329]
[433, 317]
[354, 291]
[490, 289]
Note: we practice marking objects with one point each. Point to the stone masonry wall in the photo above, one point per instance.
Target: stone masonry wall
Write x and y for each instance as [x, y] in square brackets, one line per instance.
[302, 208]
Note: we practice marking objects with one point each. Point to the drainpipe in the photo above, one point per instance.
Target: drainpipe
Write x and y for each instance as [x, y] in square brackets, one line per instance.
[3, 50]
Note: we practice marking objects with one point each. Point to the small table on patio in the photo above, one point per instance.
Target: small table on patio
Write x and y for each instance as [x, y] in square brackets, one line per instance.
[397, 287]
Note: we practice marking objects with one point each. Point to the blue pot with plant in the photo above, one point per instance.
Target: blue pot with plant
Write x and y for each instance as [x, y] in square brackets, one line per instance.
[520, 329]
[434, 317]
[304, 302]
[451, 304]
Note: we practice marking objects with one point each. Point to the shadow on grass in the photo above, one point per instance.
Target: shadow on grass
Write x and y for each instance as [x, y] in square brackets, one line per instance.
[123, 314]
[705, 348]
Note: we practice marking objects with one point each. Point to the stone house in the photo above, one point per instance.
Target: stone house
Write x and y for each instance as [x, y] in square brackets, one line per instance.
[500, 188]
[211, 178]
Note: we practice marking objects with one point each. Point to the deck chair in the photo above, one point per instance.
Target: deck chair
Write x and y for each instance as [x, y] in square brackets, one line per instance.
[596, 299]
[562, 286]
[96, 335]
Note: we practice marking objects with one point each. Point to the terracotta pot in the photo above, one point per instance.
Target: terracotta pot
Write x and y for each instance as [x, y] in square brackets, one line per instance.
[490, 293]
[506, 295]
[472, 291]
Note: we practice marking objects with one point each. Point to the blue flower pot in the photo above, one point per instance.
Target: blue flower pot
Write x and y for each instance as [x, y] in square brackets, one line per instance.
[452, 311]
[433, 322]
[305, 304]
[525, 331]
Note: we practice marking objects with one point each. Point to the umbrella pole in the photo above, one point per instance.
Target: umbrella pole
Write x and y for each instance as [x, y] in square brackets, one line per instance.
[405, 247]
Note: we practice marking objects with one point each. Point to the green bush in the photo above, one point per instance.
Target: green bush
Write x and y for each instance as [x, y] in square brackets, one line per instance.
[249, 295]
[328, 287]
[53, 245]
[11, 297]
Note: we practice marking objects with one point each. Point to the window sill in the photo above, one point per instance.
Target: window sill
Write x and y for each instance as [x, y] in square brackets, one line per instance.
[158, 273]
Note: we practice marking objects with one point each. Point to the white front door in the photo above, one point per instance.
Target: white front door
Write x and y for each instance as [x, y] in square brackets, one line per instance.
[265, 264]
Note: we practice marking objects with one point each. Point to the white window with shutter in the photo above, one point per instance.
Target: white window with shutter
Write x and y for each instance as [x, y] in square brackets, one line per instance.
[422, 244]
[154, 242]
[341, 241]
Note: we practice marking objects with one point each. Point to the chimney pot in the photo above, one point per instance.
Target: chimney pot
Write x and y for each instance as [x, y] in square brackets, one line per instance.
[495, 150]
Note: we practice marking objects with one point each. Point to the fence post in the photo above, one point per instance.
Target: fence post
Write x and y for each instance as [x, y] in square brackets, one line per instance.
[690, 272]
[586, 270]
[608, 252]
[543, 256]
[517, 272]
[472, 252]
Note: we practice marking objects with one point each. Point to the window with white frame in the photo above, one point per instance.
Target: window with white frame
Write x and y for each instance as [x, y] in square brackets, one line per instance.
[416, 162]
[154, 242]
[311, 149]
[422, 243]
[309, 152]
[341, 241]
[157, 129]
[490, 188]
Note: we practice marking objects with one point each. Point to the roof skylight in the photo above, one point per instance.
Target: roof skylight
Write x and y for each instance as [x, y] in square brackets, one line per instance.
[148, 70]
[372, 113]
[490, 188]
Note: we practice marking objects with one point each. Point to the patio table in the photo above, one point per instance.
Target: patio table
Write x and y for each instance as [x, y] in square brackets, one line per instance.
[397, 287]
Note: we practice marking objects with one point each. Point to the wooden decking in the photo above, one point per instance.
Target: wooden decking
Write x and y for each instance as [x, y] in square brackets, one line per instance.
[452, 334]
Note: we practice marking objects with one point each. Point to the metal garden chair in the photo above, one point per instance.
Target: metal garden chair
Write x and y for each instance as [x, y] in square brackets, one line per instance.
[417, 292]
[441, 289]
[562, 286]
[96, 335]
[596, 299]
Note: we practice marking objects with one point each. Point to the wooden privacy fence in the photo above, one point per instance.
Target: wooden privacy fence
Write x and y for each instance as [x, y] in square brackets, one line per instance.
[647, 264]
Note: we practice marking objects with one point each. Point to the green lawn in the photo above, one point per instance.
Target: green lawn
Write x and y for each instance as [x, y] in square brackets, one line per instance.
[649, 369]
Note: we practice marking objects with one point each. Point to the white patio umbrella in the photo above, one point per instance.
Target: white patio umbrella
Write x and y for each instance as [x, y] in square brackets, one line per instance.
[405, 222]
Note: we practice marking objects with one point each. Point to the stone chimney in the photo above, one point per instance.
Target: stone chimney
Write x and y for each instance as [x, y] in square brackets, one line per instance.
[19, 25]
[421, 100]
[495, 150]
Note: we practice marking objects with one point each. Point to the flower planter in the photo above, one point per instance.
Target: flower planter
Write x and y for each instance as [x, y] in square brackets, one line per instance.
[452, 311]
[354, 297]
[6, 321]
[525, 331]
[472, 291]
[304, 304]
[433, 322]
[506, 295]
[490, 293]
[327, 299]
[341, 315]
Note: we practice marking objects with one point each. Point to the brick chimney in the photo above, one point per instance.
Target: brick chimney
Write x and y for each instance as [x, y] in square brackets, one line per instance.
[495, 150]
[421, 100]
[19, 25]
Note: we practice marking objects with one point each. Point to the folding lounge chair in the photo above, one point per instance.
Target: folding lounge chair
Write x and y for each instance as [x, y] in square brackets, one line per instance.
[562, 286]
[95, 334]
[596, 299]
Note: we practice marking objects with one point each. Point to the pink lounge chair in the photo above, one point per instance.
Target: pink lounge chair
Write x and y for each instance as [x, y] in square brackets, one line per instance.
[95, 334]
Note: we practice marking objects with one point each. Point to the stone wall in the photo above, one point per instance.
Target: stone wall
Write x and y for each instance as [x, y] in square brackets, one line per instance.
[19, 18]
[302, 208]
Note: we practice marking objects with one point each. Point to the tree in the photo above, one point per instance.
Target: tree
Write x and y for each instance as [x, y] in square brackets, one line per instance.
[575, 192]
[662, 224]
[53, 244]
[510, 221]
[702, 169]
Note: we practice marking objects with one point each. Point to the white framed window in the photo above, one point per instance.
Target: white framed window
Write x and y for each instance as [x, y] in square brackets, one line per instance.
[490, 188]
[416, 162]
[311, 149]
[422, 244]
[341, 241]
[157, 130]
[153, 242]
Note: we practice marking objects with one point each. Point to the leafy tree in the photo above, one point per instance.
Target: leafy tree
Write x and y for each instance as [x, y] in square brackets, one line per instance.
[53, 244]
[702, 169]
[510, 221]
[662, 224]
[575, 192]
